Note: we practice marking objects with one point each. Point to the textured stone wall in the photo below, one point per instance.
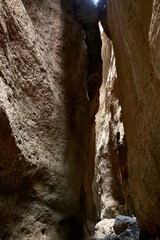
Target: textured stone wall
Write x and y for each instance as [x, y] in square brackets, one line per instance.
[50, 73]
[46, 165]
[108, 127]
[134, 29]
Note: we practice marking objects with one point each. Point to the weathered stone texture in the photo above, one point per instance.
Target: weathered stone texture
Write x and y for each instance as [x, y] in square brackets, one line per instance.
[109, 138]
[134, 29]
[50, 72]
[45, 174]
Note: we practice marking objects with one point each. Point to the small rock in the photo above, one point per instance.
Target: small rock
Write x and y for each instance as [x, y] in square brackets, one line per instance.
[122, 223]
[126, 227]
[104, 228]
[131, 233]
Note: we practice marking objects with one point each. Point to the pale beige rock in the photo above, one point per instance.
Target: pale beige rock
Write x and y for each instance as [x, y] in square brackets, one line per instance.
[46, 128]
[104, 228]
[154, 37]
[109, 135]
[134, 29]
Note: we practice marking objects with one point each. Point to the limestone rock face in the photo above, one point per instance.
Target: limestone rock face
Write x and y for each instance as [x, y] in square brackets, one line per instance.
[134, 29]
[154, 37]
[109, 139]
[45, 123]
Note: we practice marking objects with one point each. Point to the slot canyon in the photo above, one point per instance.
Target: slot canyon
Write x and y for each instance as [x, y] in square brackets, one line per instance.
[79, 118]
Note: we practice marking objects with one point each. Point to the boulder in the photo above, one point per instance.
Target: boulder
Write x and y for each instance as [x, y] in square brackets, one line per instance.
[104, 228]
[122, 222]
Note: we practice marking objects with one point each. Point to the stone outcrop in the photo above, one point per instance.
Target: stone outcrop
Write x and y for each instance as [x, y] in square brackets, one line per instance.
[46, 160]
[134, 29]
[111, 154]
[134, 93]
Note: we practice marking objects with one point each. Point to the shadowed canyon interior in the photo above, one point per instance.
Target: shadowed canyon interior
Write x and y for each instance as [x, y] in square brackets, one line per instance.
[79, 116]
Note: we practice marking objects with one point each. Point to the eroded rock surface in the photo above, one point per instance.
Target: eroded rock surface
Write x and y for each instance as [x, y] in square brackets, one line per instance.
[134, 29]
[50, 73]
[109, 139]
[46, 165]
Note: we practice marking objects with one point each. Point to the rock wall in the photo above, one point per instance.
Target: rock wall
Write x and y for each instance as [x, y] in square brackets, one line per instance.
[109, 133]
[46, 134]
[134, 30]
[111, 173]
[50, 73]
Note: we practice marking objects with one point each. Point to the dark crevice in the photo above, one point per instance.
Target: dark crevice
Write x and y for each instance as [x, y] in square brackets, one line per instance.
[102, 14]
[86, 15]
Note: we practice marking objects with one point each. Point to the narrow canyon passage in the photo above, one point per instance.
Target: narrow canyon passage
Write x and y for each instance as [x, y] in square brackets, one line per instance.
[79, 117]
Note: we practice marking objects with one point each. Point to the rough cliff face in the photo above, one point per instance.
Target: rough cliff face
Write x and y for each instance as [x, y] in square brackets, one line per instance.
[46, 124]
[134, 30]
[50, 73]
[111, 172]
[109, 133]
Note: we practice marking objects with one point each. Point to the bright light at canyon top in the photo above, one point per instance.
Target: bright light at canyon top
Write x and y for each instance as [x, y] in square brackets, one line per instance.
[96, 1]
